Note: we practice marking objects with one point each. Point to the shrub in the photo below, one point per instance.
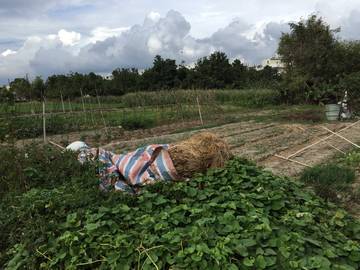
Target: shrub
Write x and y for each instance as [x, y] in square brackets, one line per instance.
[351, 83]
[329, 179]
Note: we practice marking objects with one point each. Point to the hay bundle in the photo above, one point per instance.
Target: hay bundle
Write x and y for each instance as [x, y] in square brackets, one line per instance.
[199, 153]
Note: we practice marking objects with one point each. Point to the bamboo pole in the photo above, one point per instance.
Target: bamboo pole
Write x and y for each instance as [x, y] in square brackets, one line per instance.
[292, 160]
[342, 137]
[321, 140]
[198, 104]
[62, 101]
[83, 104]
[101, 112]
[70, 105]
[44, 120]
[57, 145]
[337, 149]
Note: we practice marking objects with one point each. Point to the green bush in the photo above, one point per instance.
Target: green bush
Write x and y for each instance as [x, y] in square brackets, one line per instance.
[351, 83]
[238, 217]
[329, 179]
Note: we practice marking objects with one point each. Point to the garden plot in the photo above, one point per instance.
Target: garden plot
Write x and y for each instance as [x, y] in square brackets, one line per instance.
[261, 141]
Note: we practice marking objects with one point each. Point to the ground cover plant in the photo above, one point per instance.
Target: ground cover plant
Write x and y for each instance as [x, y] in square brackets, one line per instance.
[329, 179]
[238, 217]
[337, 180]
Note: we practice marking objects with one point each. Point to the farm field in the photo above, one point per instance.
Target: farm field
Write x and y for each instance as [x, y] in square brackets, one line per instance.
[132, 111]
[195, 224]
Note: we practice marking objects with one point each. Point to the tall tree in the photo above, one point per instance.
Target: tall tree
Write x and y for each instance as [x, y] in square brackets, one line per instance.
[21, 87]
[38, 87]
[214, 71]
[310, 54]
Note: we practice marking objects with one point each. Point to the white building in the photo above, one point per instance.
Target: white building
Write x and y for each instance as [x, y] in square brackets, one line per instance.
[274, 62]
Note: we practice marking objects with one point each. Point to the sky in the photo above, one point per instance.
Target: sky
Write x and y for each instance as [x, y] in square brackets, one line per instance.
[45, 37]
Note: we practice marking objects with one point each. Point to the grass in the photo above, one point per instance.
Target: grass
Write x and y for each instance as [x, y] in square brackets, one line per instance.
[329, 179]
[244, 97]
[144, 117]
[335, 181]
[143, 110]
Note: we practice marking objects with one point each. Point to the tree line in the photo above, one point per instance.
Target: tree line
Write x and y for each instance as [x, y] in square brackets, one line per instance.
[212, 72]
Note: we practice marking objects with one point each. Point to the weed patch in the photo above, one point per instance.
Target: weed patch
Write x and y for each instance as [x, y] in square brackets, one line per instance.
[329, 179]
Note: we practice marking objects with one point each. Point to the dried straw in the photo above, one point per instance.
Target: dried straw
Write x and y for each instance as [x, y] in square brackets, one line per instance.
[199, 153]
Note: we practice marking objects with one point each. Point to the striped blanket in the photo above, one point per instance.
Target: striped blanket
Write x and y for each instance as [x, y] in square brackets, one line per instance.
[128, 172]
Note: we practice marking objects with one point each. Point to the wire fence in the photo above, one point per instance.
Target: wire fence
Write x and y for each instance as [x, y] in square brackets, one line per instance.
[62, 119]
[141, 110]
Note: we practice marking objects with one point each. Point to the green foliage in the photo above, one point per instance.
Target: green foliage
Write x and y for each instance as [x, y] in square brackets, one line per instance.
[352, 159]
[21, 87]
[38, 88]
[318, 66]
[132, 122]
[239, 217]
[351, 83]
[252, 98]
[329, 179]
[309, 48]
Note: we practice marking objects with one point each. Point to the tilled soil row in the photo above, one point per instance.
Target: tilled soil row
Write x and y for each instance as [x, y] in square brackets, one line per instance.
[260, 142]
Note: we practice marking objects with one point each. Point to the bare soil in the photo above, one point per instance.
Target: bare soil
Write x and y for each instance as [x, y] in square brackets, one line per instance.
[261, 141]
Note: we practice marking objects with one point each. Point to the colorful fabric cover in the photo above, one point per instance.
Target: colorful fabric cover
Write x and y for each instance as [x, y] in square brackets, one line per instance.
[128, 172]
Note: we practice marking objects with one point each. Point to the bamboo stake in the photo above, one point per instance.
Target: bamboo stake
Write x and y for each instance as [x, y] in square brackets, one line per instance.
[57, 145]
[198, 104]
[70, 105]
[332, 146]
[62, 101]
[292, 160]
[321, 140]
[83, 104]
[44, 120]
[342, 137]
[101, 112]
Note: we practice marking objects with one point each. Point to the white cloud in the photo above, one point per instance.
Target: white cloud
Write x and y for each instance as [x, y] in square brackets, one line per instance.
[102, 33]
[154, 45]
[103, 48]
[154, 16]
[69, 38]
[8, 52]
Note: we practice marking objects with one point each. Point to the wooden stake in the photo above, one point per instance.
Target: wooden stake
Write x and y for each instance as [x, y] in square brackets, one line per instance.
[62, 102]
[101, 112]
[70, 105]
[198, 104]
[83, 104]
[292, 160]
[321, 140]
[44, 120]
[342, 137]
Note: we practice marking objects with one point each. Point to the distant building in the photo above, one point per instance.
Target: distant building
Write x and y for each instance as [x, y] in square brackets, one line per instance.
[274, 62]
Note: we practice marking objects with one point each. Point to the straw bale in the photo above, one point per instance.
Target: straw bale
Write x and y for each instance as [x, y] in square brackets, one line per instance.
[198, 153]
